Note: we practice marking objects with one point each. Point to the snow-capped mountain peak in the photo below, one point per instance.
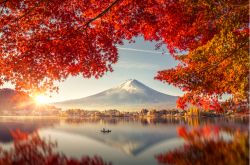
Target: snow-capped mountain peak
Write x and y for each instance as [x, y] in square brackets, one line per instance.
[131, 86]
[130, 95]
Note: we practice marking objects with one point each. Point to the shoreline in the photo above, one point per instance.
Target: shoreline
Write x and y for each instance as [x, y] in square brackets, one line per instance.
[135, 117]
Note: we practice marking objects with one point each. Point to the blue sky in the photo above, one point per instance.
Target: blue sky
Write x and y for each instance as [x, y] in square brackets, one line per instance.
[137, 60]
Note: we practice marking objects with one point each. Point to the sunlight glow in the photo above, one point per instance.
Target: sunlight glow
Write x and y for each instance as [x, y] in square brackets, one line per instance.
[41, 99]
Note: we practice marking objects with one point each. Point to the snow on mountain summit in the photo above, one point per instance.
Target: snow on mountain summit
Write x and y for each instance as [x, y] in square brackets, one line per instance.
[130, 95]
[132, 86]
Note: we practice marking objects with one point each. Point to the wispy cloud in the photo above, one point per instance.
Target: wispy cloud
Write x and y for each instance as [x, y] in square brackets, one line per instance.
[140, 50]
[129, 65]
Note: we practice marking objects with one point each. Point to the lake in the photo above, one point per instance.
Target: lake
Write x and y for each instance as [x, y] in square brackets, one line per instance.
[130, 142]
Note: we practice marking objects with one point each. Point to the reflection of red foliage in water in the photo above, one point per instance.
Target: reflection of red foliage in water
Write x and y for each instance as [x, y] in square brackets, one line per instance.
[19, 135]
[205, 146]
[204, 132]
[33, 150]
[182, 132]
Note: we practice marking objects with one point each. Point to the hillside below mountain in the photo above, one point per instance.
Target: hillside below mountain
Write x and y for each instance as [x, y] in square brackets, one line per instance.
[14, 100]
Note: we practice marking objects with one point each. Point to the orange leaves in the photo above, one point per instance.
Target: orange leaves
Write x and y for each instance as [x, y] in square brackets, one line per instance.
[216, 68]
[215, 63]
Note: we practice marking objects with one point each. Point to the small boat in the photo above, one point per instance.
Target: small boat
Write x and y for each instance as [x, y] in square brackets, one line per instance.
[105, 130]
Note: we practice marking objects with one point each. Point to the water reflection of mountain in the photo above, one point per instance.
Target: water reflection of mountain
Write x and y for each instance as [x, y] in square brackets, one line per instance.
[27, 126]
[134, 137]
[132, 141]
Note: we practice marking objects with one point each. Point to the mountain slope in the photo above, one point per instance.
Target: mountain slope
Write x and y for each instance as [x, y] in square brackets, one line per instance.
[131, 95]
[13, 100]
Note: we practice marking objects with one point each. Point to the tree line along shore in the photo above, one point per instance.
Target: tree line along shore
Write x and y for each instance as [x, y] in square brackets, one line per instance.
[152, 113]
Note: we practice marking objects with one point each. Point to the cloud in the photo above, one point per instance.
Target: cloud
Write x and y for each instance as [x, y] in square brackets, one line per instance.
[140, 50]
[144, 66]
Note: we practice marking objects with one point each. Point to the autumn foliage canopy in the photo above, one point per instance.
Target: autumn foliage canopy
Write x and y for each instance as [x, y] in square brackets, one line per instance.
[45, 41]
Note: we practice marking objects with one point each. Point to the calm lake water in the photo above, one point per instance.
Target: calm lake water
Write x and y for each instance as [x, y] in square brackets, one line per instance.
[131, 142]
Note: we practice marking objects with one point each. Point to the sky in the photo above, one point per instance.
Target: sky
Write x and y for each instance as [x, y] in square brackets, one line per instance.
[137, 60]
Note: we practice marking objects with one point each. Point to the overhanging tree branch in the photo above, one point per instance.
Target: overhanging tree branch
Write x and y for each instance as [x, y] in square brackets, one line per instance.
[85, 26]
[102, 13]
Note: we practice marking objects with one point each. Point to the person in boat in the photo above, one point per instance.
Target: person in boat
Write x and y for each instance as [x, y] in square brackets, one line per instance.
[104, 130]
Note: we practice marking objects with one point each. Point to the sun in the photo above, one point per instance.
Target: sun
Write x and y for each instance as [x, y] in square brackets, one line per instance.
[41, 99]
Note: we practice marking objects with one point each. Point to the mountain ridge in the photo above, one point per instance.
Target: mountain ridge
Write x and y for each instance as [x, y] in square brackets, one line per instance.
[14, 100]
[130, 95]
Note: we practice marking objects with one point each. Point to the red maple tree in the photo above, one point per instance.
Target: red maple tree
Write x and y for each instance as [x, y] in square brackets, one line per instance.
[43, 42]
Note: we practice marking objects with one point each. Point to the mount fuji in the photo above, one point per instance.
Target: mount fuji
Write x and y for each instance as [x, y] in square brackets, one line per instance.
[131, 95]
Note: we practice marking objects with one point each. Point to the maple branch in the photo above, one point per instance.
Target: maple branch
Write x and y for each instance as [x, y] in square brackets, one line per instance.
[243, 4]
[2, 9]
[85, 26]
[29, 11]
[102, 13]
[25, 14]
